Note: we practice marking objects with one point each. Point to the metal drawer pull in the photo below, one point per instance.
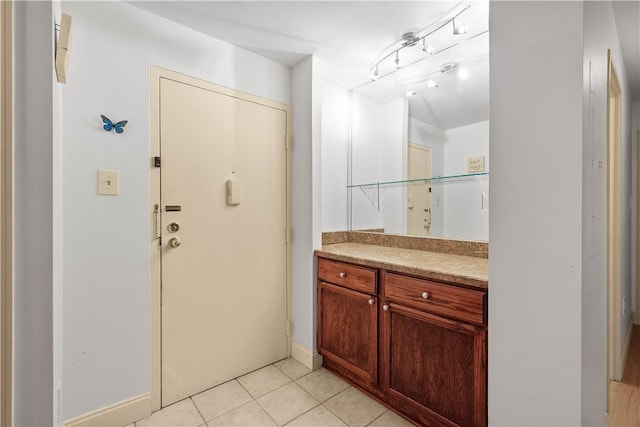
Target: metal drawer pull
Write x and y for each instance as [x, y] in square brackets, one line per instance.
[425, 295]
[342, 274]
[385, 307]
[372, 301]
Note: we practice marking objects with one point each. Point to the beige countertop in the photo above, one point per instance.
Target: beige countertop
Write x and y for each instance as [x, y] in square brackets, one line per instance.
[464, 270]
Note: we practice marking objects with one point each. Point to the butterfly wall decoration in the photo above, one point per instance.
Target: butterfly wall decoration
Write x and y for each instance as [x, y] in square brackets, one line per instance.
[108, 124]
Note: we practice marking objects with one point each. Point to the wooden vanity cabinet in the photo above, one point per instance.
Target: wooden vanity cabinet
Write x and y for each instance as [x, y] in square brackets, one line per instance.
[348, 318]
[434, 368]
[418, 345]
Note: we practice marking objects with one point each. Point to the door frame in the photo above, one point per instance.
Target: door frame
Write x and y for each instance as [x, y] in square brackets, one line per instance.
[155, 75]
[6, 213]
[614, 250]
[636, 318]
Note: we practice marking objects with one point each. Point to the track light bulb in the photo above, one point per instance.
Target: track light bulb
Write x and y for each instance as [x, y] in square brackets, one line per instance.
[428, 49]
[432, 83]
[459, 29]
[410, 93]
[374, 74]
[463, 73]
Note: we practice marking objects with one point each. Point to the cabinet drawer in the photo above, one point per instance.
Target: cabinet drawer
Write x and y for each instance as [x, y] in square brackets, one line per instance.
[451, 301]
[359, 278]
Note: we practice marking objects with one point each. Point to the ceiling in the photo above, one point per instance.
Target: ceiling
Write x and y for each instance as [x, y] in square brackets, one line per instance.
[350, 35]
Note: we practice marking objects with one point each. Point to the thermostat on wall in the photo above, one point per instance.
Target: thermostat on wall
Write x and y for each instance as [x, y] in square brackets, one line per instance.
[234, 192]
[475, 164]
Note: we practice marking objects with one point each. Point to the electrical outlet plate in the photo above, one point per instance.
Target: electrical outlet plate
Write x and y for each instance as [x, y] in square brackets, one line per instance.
[108, 183]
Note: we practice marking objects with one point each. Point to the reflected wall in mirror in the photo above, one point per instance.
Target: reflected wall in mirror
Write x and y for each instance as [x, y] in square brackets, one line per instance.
[419, 134]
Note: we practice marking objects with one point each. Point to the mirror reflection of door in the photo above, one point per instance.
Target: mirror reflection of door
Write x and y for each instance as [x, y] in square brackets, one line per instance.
[418, 194]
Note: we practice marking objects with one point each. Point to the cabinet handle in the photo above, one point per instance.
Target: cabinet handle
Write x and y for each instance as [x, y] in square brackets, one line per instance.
[385, 307]
[425, 295]
[342, 274]
[372, 301]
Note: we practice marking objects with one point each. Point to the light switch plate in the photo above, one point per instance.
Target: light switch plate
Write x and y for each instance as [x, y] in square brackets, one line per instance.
[108, 183]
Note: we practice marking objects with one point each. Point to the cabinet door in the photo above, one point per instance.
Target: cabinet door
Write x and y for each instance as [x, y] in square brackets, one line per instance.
[434, 368]
[348, 330]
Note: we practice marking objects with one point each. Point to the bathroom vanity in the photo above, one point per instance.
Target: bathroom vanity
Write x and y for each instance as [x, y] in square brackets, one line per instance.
[405, 320]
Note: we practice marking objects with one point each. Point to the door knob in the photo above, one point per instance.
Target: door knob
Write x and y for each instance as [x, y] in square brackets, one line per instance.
[372, 301]
[385, 307]
[173, 227]
[174, 242]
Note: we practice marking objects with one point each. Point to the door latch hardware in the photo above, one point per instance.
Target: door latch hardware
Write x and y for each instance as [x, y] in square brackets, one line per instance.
[173, 227]
[173, 208]
[156, 162]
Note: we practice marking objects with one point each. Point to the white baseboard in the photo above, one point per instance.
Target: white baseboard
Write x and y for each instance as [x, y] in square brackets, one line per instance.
[310, 359]
[118, 414]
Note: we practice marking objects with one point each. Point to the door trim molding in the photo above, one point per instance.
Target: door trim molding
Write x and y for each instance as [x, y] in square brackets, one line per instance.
[155, 75]
[636, 314]
[614, 113]
[6, 213]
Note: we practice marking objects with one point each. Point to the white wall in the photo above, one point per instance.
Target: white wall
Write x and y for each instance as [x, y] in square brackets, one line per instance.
[307, 235]
[37, 148]
[466, 213]
[600, 34]
[379, 133]
[535, 230]
[426, 134]
[335, 126]
[106, 326]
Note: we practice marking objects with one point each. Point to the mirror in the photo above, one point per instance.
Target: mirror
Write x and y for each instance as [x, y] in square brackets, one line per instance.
[419, 144]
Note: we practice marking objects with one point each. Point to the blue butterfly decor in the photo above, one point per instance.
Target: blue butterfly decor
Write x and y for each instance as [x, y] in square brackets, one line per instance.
[108, 124]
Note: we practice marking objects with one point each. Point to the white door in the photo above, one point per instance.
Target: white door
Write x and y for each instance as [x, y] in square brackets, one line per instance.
[224, 287]
[418, 194]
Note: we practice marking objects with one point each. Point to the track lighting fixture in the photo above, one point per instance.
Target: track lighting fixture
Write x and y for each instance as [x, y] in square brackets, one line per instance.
[410, 93]
[411, 39]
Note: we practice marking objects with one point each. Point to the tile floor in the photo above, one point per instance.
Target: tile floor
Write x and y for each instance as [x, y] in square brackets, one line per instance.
[283, 394]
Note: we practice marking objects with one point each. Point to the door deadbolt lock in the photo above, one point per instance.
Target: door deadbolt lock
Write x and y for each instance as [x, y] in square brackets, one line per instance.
[174, 242]
[173, 227]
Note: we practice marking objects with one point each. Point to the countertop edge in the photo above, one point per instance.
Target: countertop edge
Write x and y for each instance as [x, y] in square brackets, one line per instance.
[416, 271]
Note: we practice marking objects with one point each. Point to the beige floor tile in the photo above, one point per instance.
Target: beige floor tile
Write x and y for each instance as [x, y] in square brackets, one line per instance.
[292, 368]
[263, 381]
[390, 419]
[180, 414]
[322, 384]
[221, 399]
[354, 407]
[287, 403]
[317, 417]
[249, 415]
